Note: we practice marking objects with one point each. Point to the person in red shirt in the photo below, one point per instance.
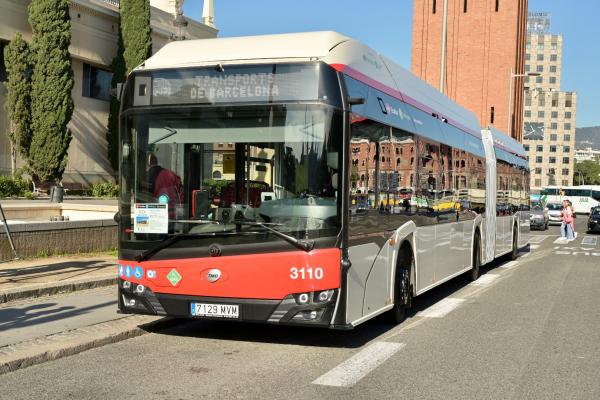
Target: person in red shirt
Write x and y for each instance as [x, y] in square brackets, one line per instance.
[164, 182]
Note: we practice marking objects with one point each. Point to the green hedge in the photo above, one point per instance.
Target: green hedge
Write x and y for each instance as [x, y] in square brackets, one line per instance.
[105, 189]
[10, 187]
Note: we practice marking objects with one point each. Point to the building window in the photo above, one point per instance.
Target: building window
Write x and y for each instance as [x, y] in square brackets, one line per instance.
[565, 171]
[554, 46]
[539, 68]
[552, 79]
[540, 114]
[96, 82]
[553, 137]
[527, 67]
[527, 57]
[3, 74]
[553, 68]
[538, 170]
[567, 138]
[554, 114]
[568, 115]
[565, 182]
[568, 103]
[527, 113]
[552, 160]
[540, 57]
[527, 46]
[540, 46]
[554, 104]
[539, 79]
[539, 148]
[526, 147]
[539, 159]
[553, 57]
[528, 99]
[552, 149]
[551, 171]
[566, 160]
[567, 126]
[553, 125]
[538, 182]
[566, 149]
[541, 101]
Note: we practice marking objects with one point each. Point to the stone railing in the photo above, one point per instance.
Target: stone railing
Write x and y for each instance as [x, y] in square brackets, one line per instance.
[112, 2]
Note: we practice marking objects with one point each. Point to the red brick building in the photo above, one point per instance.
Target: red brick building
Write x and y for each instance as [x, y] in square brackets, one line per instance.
[485, 40]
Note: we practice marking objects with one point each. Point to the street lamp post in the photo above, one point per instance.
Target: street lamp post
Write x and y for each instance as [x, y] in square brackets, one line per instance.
[510, 94]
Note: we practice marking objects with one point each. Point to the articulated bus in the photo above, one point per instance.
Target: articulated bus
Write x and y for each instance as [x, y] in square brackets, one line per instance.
[303, 179]
[583, 198]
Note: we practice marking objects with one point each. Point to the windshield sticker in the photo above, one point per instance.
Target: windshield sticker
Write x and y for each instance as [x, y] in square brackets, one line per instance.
[163, 199]
[151, 218]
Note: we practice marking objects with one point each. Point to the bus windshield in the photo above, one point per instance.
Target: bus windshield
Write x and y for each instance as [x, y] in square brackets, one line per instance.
[215, 170]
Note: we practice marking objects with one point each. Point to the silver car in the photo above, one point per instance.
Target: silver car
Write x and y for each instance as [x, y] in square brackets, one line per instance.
[538, 216]
[554, 213]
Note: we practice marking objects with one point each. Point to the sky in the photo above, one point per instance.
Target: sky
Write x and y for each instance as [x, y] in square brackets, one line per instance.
[386, 26]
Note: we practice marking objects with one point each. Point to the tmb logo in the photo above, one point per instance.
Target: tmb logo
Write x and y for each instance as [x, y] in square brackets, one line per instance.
[213, 275]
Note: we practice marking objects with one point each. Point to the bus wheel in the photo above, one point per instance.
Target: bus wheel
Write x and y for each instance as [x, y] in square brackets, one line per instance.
[515, 247]
[402, 287]
[474, 273]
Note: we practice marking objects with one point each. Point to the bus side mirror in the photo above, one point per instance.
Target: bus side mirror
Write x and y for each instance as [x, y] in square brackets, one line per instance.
[354, 101]
[117, 217]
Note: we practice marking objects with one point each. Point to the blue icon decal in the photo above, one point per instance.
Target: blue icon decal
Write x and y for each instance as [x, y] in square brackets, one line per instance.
[121, 270]
[128, 271]
[151, 274]
[138, 272]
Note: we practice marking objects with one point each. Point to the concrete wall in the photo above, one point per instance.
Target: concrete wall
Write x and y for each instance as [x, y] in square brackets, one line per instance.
[94, 34]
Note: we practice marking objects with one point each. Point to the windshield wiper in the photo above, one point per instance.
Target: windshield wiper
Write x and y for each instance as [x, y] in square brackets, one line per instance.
[306, 245]
[172, 239]
[168, 129]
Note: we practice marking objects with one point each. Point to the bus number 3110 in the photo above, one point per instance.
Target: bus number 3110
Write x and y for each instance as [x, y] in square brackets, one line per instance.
[306, 273]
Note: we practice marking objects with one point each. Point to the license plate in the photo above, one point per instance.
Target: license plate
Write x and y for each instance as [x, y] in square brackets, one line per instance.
[215, 310]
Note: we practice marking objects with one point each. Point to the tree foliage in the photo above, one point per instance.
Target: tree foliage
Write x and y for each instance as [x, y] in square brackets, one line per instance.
[136, 32]
[52, 82]
[112, 135]
[588, 172]
[135, 46]
[18, 86]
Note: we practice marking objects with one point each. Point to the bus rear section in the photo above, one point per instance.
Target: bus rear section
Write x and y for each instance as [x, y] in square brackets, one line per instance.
[230, 206]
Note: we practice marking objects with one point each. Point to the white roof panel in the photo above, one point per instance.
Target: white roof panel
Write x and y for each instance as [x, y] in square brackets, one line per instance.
[246, 49]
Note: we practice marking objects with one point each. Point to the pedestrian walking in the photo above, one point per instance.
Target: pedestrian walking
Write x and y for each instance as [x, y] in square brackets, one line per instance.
[566, 228]
[573, 233]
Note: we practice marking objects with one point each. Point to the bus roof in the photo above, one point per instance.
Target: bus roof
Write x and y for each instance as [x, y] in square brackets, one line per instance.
[339, 51]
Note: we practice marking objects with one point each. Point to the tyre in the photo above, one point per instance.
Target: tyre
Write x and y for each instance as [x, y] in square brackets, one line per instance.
[403, 287]
[474, 272]
[546, 226]
[515, 247]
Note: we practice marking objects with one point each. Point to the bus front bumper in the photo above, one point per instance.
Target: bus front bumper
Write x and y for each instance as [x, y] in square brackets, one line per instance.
[313, 308]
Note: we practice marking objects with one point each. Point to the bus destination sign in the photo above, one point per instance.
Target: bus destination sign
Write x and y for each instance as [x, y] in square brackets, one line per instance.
[248, 84]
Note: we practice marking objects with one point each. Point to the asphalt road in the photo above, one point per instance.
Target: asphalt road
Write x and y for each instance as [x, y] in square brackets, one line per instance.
[526, 330]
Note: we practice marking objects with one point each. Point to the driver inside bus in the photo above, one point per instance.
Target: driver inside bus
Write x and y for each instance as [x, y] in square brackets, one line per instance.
[164, 182]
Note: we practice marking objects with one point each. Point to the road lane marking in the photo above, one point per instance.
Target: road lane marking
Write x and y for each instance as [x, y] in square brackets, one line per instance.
[560, 240]
[441, 308]
[534, 246]
[485, 280]
[537, 238]
[589, 241]
[510, 264]
[359, 365]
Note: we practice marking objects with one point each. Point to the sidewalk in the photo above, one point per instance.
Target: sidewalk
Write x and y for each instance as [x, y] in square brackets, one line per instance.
[46, 276]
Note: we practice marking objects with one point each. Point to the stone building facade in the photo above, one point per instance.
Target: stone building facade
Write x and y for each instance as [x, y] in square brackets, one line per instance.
[94, 33]
[550, 114]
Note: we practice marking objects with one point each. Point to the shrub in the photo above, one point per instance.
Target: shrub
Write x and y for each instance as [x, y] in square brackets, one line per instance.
[10, 187]
[105, 189]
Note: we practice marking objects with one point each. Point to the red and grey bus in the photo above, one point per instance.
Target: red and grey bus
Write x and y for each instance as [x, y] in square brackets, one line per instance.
[303, 179]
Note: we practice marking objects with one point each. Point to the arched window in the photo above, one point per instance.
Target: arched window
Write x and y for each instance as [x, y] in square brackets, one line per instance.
[217, 175]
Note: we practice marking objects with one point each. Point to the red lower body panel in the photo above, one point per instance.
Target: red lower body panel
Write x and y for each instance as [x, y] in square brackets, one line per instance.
[254, 276]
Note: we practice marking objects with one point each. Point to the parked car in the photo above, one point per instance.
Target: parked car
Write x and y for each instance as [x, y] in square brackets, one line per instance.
[554, 213]
[594, 219]
[538, 215]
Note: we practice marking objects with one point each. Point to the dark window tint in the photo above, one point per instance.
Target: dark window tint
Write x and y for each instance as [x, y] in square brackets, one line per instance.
[554, 206]
[3, 75]
[96, 82]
